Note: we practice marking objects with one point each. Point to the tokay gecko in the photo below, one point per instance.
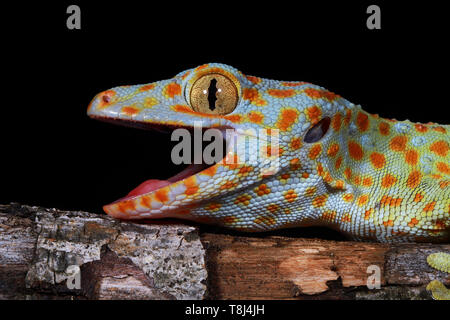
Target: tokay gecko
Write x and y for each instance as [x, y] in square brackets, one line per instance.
[338, 166]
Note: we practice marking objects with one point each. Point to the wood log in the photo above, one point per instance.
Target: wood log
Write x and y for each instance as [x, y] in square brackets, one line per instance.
[56, 254]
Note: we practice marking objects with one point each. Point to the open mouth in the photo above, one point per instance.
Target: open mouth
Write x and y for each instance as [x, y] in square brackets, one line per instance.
[152, 185]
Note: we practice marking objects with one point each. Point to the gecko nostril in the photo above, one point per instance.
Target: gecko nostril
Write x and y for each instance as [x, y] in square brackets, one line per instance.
[106, 98]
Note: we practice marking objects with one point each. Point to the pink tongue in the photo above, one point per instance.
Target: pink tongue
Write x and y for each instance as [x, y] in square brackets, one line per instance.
[148, 186]
[154, 184]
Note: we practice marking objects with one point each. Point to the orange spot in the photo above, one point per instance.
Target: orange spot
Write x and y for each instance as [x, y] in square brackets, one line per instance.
[203, 66]
[130, 110]
[317, 94]
[328, 178]
[440, 148]
[290, 195]
[329, 215]
[305, 175]
[147, 87]
[265, 220]
[346, 218]
[211, 171]
[355, 150]
[272, 151]
[296, 143]
[273, 207]
[314, 114]
[315, 151]
[245, 170]
[126, 205]
[320, 201]
[295, 164]
[362, 121]
[262, 190]
[213, 207]
[235, 118]
[348, 197]
[348, 116]
[186, 109]
[150, 102]
[398, 143]
[389, 201]
[367, 182]
[357, 180]
[229, 220]
[338, 163]
[388, 223]
[388, 181]
[362, 200]
[378, 160]
[443, 167]
[253, 96]
[228, 185]
[414, 179]
[421, 128]
[333, 149]
[162, 195]
[418, 197]
[253, 79]
[440, 129]
[320, 170]
[243, 199]
[411, 157]
[279, 93]
[368, 213]
[336, 121]
[384, 128]
[413, 222]
[172, 89]
[310, 191]
[444, 184]
[185, 75]
[293, 84]
[439, 225]
[339, 185]
[286, 119]
[191, 186]
[256, 117]
[145, 201]
[348, 173]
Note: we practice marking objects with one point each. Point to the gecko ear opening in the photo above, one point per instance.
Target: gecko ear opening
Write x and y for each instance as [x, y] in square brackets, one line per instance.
[317, 131]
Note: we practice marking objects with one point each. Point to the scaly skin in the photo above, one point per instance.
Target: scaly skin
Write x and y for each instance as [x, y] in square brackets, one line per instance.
[440, 261]
[369, 177]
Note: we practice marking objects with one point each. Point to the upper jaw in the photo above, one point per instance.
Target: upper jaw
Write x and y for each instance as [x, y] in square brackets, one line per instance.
[156, 197]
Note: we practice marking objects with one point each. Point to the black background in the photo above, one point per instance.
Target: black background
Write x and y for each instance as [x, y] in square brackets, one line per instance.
[53, 155]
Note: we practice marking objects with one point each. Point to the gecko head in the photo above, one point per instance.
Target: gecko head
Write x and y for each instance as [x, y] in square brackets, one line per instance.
[268, 127]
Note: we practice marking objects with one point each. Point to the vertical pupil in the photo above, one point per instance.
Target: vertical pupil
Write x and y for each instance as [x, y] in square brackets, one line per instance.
[212, 90]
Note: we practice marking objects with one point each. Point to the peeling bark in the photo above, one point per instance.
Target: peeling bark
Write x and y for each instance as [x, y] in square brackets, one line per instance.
[38, 247]
[55, 254]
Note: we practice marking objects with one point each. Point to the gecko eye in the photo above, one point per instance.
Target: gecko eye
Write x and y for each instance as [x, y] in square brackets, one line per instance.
[214, 94]
[316, 132]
